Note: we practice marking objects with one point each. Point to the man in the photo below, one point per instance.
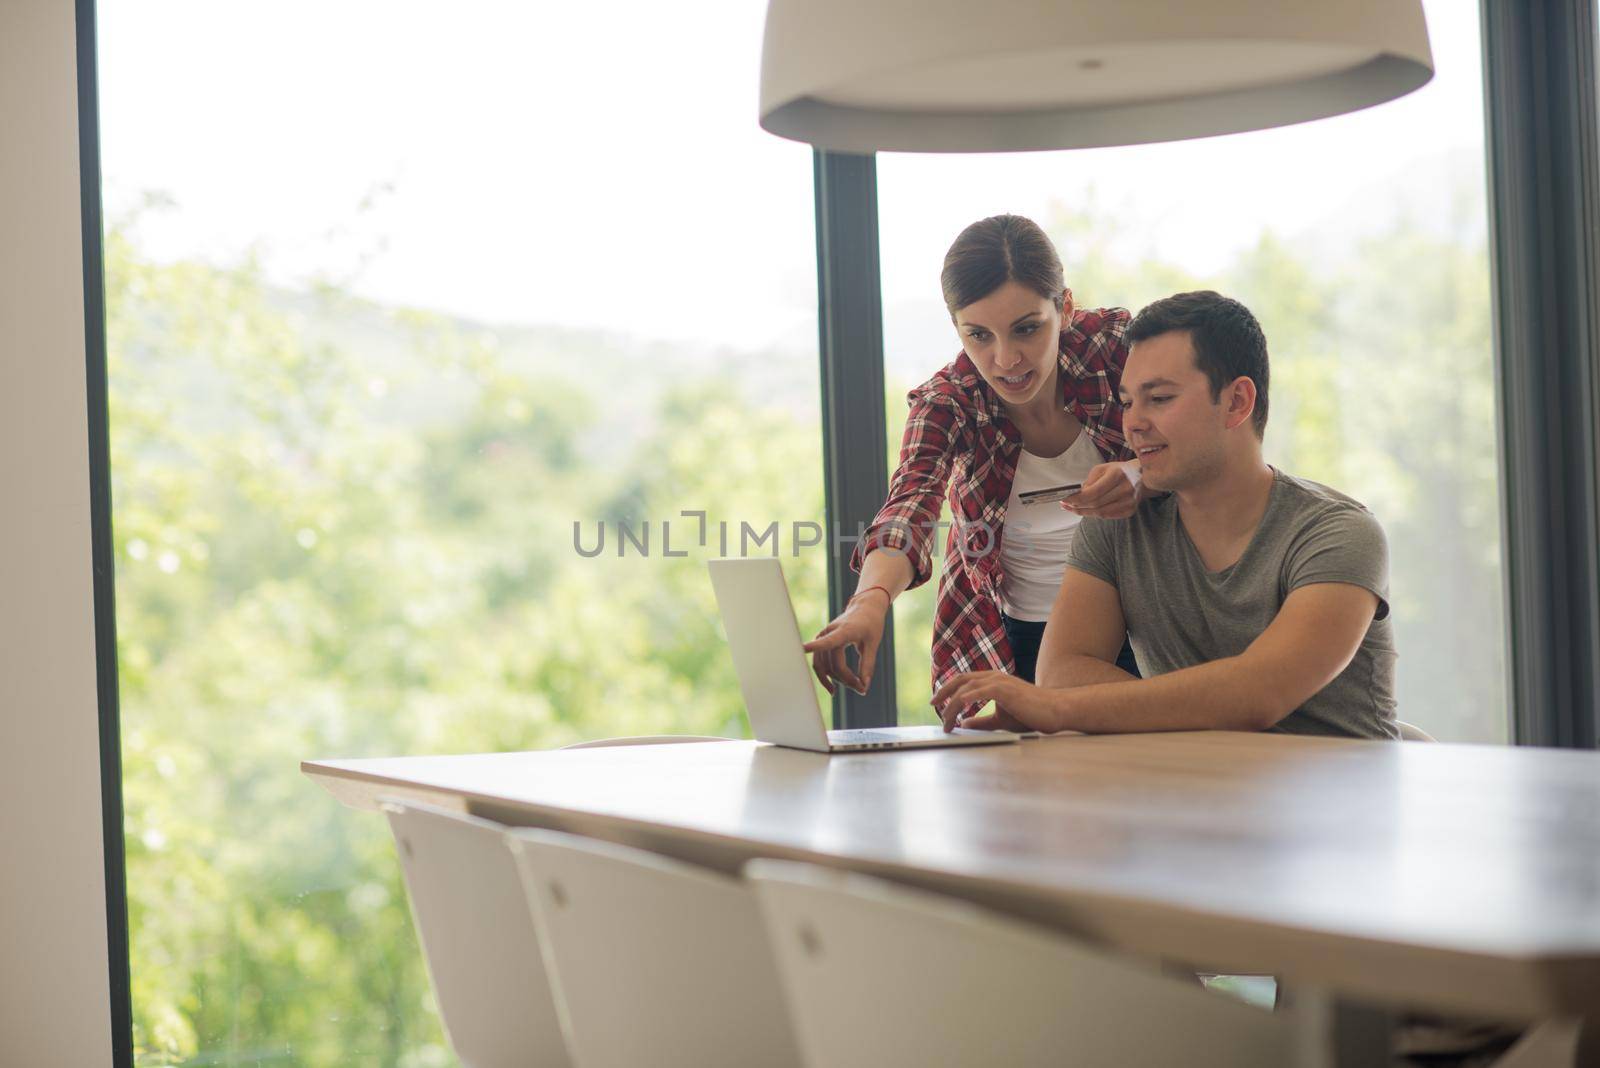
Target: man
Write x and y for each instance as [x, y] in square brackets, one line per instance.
[1253, 600]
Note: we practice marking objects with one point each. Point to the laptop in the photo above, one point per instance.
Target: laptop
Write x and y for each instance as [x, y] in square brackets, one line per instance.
[775, 675]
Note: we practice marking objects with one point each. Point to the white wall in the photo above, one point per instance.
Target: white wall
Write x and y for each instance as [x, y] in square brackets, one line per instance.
[54, 1006]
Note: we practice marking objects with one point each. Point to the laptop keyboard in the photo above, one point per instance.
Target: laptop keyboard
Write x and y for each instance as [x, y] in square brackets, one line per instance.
[852, 737]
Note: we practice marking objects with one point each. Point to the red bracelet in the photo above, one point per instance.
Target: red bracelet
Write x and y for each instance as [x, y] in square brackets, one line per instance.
[882, 589]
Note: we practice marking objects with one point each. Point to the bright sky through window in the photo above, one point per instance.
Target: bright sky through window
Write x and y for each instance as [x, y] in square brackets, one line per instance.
[504, 162]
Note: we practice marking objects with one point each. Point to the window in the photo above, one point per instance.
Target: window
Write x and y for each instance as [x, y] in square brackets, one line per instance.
[1360, 244]
[404, 304]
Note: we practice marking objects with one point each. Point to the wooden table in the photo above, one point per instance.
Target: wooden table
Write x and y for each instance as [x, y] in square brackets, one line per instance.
[1452, 877]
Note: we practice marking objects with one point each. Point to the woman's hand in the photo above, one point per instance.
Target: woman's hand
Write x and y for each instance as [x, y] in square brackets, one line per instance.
[1111, 491]
[859, 626]
[1018, 705]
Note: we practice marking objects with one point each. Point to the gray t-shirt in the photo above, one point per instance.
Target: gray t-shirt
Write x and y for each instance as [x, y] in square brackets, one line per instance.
[1180, 615]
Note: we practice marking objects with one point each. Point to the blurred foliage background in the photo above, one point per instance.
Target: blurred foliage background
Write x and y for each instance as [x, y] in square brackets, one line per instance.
[348, 530]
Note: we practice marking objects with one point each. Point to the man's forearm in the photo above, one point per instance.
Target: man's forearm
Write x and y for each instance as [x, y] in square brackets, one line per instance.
[1069, 671]
[1222, 695]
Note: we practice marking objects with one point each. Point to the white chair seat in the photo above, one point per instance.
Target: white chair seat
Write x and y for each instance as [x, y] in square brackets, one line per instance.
[478, 938]
[658, 962]
[878, 974]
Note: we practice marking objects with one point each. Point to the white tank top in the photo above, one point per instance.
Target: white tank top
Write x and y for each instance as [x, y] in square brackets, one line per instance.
[1033, 547]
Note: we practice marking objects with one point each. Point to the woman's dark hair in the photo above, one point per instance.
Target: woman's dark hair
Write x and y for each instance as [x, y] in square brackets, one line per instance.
[1227, 340]
[997, 250]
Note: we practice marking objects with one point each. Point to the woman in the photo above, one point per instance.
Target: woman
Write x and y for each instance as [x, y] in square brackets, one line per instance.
[1029, 404]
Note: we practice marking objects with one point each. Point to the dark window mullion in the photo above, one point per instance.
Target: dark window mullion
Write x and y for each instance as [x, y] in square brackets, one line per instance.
[1544, 190]
[101, 545]
[854, 432]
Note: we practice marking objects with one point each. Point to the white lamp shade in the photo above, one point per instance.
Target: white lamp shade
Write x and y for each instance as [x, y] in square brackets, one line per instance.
[1018, 75]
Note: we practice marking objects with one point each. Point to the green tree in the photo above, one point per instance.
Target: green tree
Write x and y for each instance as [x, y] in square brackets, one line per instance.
[354, 540]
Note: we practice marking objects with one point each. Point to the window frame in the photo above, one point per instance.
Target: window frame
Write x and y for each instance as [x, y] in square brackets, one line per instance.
[854, 423]
[1541, 131]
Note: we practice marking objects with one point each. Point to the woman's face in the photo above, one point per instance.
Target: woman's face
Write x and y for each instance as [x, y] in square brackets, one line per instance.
[1013, 336]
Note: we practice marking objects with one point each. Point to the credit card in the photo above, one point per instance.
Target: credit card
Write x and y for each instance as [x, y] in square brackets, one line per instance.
[1051, 495]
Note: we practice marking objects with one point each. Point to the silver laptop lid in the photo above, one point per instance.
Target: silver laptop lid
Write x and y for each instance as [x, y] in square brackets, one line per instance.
[774, 675]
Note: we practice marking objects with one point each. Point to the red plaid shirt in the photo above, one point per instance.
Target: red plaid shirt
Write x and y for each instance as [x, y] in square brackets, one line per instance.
[959, 442]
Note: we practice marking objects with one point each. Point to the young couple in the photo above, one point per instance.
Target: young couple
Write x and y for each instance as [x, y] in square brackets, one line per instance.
[1247, 598]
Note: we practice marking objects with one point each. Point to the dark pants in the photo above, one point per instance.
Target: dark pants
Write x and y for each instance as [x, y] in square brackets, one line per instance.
[1024, 638]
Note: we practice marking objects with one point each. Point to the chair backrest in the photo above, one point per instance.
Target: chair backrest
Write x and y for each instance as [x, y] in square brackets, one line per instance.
[882, 974]
[478, 937]
[645, 739]
[1410, 732]
[658, 962]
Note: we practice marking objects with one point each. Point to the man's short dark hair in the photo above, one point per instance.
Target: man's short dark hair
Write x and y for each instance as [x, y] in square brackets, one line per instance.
[1228, 342]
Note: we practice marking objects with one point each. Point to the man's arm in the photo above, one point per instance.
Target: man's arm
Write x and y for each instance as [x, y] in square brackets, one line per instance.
[1315, 635]
[1084, 635]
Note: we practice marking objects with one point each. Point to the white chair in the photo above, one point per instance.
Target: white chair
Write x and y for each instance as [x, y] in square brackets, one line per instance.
[1410, 732]
[879, 974]
[645, 739]
[658, 962]
[478, 938]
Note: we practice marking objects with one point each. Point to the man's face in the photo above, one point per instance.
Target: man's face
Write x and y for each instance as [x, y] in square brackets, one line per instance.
[1178, 432]
[1012, 336]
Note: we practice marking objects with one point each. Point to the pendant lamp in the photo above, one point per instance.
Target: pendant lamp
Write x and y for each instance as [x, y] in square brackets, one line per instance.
[865, 76]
